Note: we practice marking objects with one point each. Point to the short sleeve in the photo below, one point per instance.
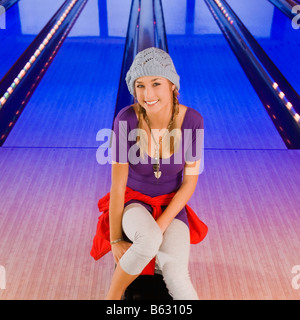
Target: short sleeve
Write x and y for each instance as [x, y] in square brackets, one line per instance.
[120, 144]
[194, 138]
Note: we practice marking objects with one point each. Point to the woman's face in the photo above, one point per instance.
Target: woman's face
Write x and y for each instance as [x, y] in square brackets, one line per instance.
[154, 93]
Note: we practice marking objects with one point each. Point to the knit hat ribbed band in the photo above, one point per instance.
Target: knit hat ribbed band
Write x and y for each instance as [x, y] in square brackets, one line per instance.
[152, 62]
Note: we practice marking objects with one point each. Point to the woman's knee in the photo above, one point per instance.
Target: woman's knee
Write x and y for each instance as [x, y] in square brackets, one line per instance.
[142, 230]
[148, 241]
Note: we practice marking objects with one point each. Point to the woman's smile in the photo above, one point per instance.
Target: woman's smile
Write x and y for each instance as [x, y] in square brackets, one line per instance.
[151, 103]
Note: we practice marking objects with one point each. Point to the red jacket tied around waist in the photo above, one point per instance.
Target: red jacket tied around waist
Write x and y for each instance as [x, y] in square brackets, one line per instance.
[101, 241]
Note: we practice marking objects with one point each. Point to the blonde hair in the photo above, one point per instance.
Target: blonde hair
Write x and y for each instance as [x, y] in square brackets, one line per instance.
[142, 140]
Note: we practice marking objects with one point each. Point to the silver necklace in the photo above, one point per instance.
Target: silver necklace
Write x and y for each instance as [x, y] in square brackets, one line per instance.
[156, 165]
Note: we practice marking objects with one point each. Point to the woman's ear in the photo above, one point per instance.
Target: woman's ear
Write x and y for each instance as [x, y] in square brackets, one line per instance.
[173, 87]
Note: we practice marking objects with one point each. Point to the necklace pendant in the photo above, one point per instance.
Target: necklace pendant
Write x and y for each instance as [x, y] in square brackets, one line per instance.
[157, 174]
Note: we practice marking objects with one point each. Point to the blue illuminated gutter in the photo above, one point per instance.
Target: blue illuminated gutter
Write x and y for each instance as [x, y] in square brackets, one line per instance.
[146, 28]
[285, 6]
[7, 3]
[278, 97]
[20, 82]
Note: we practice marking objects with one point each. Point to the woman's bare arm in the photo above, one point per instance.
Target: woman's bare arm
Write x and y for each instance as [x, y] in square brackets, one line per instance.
[116, 206]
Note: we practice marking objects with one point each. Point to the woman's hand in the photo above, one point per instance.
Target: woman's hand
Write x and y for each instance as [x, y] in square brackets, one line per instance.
[118, 249]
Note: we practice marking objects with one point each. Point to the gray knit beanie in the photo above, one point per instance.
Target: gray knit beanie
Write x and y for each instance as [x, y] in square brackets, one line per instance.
[152, 62]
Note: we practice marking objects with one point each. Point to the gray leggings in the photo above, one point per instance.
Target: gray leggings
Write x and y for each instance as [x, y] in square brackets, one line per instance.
[171, 250]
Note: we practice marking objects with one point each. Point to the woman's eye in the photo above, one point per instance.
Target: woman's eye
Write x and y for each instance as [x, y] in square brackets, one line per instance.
[155, 84]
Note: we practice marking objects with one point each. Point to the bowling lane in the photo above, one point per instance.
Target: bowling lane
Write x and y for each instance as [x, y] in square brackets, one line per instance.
[24, 20]
[77, 96]
[48, 196]
[275, 33]
[214, 83]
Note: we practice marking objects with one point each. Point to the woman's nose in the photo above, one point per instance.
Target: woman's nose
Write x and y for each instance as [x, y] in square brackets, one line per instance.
[148, 93]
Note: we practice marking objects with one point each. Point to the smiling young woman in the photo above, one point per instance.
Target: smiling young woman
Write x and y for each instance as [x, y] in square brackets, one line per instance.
[157, 109]
[146, 218]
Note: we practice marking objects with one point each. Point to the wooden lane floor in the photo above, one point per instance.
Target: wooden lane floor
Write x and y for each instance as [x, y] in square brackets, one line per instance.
[48, 213]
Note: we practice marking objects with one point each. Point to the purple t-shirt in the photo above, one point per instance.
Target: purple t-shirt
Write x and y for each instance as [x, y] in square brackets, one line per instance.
[141, 174]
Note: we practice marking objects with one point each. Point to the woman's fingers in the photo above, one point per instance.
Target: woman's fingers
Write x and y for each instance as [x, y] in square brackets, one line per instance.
[119, 249]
